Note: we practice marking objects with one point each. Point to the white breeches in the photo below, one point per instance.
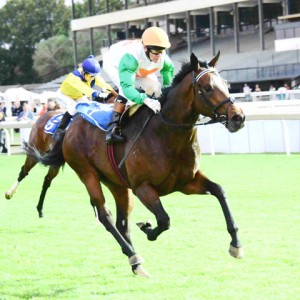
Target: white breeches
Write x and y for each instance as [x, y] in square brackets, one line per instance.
[70, 104]
[150, 84]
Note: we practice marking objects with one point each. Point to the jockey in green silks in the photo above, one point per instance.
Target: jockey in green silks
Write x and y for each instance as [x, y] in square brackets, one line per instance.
[132, 65]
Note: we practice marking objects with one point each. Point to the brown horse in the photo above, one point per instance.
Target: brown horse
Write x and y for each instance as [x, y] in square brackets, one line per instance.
[43, 142]
[163, 159]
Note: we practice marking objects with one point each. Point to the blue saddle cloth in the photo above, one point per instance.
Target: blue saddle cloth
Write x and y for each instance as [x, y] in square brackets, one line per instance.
[98, 114]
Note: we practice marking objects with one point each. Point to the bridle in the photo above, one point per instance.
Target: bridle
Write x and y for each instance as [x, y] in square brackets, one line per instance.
[216, 117]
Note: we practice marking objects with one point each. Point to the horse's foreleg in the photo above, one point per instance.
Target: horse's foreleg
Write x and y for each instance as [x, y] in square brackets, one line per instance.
[202, 185]
[149, 197]
[105, 217]
[29, 164]
[52, 173]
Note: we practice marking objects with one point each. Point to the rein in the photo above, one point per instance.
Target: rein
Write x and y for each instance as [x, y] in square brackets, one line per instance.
[217, 118]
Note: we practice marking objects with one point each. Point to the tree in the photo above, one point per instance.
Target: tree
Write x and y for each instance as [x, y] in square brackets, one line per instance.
[53, 57]
[24, 23]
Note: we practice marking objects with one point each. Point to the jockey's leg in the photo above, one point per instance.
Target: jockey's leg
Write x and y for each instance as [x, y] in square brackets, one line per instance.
[113, 135]
[70, 105]
[60, 131]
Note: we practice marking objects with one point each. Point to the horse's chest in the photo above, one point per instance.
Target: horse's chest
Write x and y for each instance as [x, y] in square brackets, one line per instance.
[183, 164]
[168, 168]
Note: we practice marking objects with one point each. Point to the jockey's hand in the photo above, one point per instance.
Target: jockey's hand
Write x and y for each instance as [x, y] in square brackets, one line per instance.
[153, 104]
[99, 96]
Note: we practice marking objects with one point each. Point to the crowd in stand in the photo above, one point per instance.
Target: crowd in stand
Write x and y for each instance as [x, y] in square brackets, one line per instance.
[281, 93]
[24, 111]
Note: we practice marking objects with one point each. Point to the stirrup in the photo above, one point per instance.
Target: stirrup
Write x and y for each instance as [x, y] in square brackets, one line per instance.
[113, 136]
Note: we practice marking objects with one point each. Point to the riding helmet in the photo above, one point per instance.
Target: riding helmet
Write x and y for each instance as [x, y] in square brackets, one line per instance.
[155, 37]
[91, 66]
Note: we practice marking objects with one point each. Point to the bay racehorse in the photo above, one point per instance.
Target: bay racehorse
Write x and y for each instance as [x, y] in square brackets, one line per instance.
[43, 142]
[161, 151]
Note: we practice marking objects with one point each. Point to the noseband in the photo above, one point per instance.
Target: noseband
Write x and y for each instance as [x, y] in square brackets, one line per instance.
[216, 117]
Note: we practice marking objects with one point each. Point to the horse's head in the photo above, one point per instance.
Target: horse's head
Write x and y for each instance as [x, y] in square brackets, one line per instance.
[211, 95]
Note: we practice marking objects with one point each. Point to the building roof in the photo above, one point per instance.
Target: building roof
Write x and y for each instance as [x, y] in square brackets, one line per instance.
[151, 11]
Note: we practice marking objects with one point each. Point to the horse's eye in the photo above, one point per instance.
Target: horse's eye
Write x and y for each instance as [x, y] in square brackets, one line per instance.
[208, 89]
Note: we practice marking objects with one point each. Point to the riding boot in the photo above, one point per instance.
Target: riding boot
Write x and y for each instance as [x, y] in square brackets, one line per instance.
[60, 131]
[113, 134]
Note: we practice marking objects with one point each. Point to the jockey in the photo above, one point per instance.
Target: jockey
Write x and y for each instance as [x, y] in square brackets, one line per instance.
[77, 87]
[132, 65]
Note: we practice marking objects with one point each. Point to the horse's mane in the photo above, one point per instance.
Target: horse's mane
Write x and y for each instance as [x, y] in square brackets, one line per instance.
[186, 68]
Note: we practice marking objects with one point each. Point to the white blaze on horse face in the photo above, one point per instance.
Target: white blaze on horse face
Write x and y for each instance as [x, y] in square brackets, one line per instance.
[220, 83]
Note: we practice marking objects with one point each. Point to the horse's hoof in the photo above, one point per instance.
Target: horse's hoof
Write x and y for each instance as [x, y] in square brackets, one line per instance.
[139, 270]
[143, 226]
[236, 252]
[8, 195]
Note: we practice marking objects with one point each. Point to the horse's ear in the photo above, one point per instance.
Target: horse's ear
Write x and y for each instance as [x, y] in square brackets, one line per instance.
[194, 62]
[214, 61]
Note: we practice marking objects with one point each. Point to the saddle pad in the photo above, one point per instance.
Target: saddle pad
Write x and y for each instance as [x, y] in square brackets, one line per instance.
[98, 114]
[53, 123]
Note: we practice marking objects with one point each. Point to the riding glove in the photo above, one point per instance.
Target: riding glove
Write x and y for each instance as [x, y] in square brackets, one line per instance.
[97, 95]
[153, 104]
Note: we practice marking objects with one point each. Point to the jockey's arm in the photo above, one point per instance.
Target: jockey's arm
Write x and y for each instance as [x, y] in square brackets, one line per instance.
[127, 72]
[167, 71]
[99, 81]
[74, 85]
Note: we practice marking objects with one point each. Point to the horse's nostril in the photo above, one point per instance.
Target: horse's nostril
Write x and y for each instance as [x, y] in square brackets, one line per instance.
[238, 119]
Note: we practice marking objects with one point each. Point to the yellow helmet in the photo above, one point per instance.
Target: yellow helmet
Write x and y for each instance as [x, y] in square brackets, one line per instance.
[156, 37]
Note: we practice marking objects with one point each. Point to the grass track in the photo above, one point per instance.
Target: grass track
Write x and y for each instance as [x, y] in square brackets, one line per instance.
[67, 255]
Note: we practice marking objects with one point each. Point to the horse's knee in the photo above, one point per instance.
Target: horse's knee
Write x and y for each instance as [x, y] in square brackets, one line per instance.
[215, 189]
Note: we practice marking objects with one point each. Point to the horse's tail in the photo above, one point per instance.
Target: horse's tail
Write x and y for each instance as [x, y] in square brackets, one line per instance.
[52, 158]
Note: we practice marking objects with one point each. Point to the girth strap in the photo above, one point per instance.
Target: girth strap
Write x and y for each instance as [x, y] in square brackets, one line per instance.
[112, 160]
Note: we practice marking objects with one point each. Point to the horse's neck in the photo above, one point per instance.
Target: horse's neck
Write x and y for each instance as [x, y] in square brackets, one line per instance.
[179, 107]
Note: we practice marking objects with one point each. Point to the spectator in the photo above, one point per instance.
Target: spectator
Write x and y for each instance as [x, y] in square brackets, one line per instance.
[281, 93]
[3, 146]
[16, 109]
[272, 90]
[26, 114]
[247, 92]
[52, 105]
[43, 110]
[36, 107]
[2, 115]
[2, 110]
[257, 88]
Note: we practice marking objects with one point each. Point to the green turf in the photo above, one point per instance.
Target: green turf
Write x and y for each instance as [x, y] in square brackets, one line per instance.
[66, 255]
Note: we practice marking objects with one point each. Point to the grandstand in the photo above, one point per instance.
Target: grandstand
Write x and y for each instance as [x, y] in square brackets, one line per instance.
[247, 32]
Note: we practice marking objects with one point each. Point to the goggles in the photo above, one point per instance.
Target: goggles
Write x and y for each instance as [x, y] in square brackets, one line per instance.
[156, 52]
